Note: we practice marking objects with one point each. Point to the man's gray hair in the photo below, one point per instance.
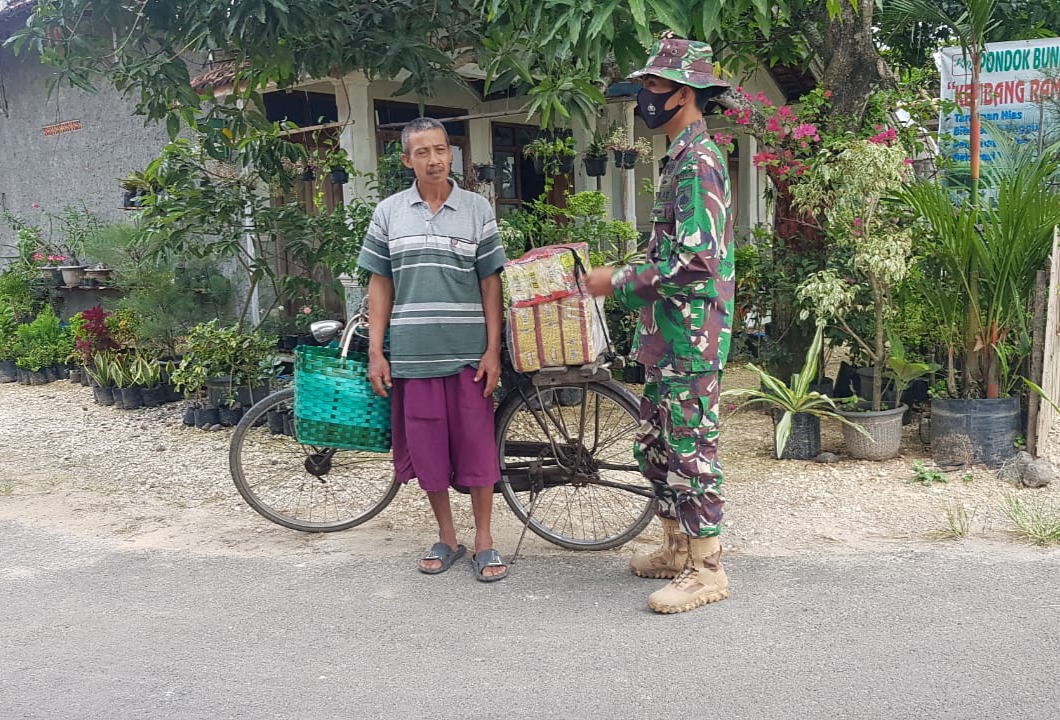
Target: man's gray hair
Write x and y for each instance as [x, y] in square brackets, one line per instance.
[420, 125]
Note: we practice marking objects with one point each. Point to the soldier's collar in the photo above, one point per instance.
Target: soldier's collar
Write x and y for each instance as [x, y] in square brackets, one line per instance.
[685, 137]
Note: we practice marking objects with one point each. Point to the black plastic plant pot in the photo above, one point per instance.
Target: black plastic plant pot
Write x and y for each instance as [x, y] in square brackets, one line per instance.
[132, 398]
[308, 176]
[566, 164]
[8, 371]
[339, 176]
[485, 173]
[288, 424]
[189, 415]
[230, 416]
[103, 395]
[595, 165]
[207, 417]
[275, 420]
[153, 396]
[626, 159]
[38, 377]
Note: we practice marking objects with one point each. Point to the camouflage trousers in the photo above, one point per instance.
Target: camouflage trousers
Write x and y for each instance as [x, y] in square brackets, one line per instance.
[677, 448]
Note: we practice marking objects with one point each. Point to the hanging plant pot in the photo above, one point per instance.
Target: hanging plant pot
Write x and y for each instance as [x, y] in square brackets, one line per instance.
[595, 165]
[566, 164]
[132, 199]
[485, 173]
[539, 165]
[308, 175]
[626, 159]
[339, 175]
[103, 395]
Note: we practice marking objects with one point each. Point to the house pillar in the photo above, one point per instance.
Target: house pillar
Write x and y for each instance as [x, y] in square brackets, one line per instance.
[582, 137]
[629, 177]
[749, 192]
[481, 149]
[357, 137]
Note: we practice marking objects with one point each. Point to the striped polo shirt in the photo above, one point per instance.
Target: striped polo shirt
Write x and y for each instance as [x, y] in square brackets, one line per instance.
[437, 327]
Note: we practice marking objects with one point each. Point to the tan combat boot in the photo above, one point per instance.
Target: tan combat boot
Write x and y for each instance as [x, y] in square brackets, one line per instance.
[668, 560]
[701, 582]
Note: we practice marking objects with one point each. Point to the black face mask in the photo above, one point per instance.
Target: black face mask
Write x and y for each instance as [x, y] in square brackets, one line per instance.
[651, 107]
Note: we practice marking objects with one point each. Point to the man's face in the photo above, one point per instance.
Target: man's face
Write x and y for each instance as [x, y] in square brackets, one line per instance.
[429, 156]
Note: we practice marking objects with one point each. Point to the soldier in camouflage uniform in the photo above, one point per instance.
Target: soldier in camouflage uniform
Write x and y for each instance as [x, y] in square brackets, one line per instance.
[684, 293]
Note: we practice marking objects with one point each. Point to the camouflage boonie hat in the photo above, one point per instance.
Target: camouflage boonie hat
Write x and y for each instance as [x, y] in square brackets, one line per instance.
[688, 62]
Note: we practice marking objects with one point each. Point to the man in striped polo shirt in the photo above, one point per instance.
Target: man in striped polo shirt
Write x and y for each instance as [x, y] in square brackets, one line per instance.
[435, 258]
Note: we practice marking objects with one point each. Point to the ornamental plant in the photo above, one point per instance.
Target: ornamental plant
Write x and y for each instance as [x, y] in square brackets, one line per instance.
[848, 187]
[91, 333]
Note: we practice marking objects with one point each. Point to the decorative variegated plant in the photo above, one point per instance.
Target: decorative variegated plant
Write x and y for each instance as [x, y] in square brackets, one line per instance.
[793, 399]
[849, 189]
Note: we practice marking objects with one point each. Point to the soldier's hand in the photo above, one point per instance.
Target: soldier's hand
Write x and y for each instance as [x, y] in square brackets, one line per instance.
[598, 282]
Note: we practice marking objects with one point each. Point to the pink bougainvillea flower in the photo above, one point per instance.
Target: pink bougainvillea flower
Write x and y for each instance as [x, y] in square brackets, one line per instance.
[38, 256]
[307, 310]
[907, 161]
[35, 206]
[773, 124]
[827, 93]
[806, 130]
[785, 112]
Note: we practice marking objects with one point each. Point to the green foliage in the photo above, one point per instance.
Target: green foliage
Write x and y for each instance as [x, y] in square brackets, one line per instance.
[43, 342]
[926, 476]
[9, 344]
[791, 399]
[980, 264]
[16, 289]
[1033, 519]
[903, 370]
[212, 350]
[849, 188]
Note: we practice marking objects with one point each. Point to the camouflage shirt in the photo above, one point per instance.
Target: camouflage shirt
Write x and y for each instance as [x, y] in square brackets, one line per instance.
[684, 290]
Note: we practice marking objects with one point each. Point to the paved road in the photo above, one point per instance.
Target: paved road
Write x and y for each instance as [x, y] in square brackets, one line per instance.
[91, 630]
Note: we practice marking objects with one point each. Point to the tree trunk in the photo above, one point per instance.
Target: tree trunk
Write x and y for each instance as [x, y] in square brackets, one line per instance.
[853, 68]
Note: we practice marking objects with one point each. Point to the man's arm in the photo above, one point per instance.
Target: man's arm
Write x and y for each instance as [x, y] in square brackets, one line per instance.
[700, 214]
[380, 305]
[493, 309]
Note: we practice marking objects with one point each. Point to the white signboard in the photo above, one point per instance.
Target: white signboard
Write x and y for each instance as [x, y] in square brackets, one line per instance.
[1019, 92]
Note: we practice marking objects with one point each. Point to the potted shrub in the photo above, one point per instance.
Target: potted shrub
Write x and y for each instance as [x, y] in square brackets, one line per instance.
[796, 409]
[43, 344]
[230, 362]
[8, 344]
[98, 372]
[980, 260]
[486, 172]
[595, 159]
[551, 155]
[627, 153]
[848, 188]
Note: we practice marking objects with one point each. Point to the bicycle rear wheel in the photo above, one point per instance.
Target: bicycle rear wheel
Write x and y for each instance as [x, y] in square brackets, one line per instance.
[575, 450]
[303, 487]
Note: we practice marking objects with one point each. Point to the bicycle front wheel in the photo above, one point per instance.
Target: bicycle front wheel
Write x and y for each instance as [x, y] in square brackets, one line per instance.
[572, 448]
[304, 487]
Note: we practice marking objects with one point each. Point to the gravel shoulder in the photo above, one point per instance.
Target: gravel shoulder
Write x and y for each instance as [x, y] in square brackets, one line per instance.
[140, 479]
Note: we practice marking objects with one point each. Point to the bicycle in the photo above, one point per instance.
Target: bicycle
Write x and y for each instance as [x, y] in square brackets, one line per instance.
[564, 440]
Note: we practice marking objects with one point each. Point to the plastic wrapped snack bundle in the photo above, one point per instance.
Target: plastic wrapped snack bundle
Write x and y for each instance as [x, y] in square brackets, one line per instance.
[569, 331]
[545, 274]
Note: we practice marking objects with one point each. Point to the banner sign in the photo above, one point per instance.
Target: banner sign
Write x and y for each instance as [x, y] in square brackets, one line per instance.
[1019, 92]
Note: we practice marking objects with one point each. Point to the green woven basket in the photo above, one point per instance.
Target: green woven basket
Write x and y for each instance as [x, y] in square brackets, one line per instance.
[334, 405]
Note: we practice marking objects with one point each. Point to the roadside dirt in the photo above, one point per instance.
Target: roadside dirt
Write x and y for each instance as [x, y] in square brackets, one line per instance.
[139, 479]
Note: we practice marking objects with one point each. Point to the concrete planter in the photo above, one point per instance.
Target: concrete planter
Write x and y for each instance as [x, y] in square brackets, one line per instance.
[884, 428]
